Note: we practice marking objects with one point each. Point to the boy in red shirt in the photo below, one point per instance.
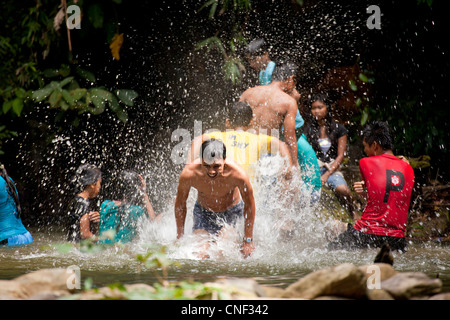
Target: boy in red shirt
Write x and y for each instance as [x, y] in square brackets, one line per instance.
[387, 185]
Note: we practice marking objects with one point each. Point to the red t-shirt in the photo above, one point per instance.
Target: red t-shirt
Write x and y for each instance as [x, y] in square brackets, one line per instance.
[389, 182]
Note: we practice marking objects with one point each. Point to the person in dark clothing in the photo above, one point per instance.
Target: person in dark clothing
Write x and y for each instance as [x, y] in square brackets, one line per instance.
[82, 221]
[329, 139]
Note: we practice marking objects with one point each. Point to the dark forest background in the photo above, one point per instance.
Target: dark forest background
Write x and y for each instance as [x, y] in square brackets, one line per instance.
[182, 61]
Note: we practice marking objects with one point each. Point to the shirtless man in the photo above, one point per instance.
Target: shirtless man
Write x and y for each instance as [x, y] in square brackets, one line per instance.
[274, 107]
[224, 194]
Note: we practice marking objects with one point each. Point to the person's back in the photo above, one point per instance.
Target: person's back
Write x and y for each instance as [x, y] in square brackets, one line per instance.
[76, 208]
[389, 182]
[122, 219]
[270, 106]
[245, 148]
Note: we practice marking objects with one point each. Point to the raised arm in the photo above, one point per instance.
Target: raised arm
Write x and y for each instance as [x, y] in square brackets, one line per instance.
[148, 204]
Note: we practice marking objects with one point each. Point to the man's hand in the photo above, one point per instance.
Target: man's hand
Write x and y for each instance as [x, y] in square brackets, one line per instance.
[247, 248]
[359, 188]
[403, 158]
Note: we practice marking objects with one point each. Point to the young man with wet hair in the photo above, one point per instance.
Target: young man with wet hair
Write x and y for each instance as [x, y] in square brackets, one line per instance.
[274, 107]
[224, 195]
[257, 54]
[387, 185]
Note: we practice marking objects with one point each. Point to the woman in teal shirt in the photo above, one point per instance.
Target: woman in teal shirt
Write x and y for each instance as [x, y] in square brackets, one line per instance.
[123, 215]
[12, 230]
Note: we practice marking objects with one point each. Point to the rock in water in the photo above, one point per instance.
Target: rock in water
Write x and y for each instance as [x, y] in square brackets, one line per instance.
[385, 255]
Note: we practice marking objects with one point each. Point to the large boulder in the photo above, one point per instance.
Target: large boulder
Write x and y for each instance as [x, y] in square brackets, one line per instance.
[382, 270]
[237, 288]
[345, 280]
[407, 285]
[41, 284]
[53, 281]
[12, 290]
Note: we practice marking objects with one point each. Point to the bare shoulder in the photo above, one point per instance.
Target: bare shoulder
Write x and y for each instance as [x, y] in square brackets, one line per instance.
[289, 100]
[235, 171]
[251, 93]
[190, 171]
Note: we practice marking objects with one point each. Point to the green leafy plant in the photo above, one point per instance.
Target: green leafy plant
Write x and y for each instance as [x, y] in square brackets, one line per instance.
[227, 46]
[67, 94]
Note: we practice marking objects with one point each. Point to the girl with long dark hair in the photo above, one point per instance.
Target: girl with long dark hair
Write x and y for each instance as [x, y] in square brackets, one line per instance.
[123, 214]
[328, 138]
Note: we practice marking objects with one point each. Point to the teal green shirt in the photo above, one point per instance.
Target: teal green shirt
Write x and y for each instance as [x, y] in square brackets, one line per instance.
[265, 76]
[309, 165]
[122, 219]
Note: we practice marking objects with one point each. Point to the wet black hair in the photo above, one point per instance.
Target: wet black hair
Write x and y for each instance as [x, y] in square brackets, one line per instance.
[379, 132]
[128, 187]
[11, 188]
[213, 149]
[85, 175]
[312, 129]
[239, 114]
[256, 47]
[320, 96]
[284, 71]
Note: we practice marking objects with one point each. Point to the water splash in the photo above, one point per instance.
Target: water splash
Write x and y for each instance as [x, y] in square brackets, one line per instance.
[285, 221]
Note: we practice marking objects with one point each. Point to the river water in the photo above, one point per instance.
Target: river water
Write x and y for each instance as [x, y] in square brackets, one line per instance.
[280, 258]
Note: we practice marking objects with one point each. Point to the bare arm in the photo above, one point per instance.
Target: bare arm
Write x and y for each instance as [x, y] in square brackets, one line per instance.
[149, 207]
[342, 146]
[180, 203]
[148, 204]
[283, 150]
[85, 225]
[289, 132]
[246, 191]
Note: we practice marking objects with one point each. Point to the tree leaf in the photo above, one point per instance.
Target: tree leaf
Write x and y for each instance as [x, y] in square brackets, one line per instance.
[365, 116]
[77, 94]
[65, 81]
[363, 78]
[86, 74]
[68, 98]
[54, 99]
[98, 98]
[41, 94]
[50, 73]
[127, 96]
[17, 106]
[115, 45]
[121, 114]
[95, 14]
[7, 106]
